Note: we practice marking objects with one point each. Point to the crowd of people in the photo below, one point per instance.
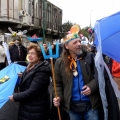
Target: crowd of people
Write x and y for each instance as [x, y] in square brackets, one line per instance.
[78, 95]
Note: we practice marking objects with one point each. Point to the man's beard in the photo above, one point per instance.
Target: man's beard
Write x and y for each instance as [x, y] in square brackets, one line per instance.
[79, 52]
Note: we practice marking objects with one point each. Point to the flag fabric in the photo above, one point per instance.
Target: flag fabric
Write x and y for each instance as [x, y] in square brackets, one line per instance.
[99, 63]
[107, 35]
[107, 41]
[109, 30]
[5, 45]
[8, 79]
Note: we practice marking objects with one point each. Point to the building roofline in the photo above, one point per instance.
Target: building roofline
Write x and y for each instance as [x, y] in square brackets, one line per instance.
[54, 5]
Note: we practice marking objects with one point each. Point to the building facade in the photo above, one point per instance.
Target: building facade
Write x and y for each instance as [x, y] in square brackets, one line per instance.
[30, 15]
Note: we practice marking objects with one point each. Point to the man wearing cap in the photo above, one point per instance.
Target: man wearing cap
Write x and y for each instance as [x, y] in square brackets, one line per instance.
[76, 80]
[17, 52]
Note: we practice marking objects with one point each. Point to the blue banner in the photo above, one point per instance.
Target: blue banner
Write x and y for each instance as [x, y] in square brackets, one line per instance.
[108, 35]
[8, 79]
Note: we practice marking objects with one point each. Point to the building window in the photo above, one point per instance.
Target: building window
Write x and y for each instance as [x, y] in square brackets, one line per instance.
[36, 10]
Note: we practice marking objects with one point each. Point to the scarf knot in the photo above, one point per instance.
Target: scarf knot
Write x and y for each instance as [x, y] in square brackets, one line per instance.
[73, 64]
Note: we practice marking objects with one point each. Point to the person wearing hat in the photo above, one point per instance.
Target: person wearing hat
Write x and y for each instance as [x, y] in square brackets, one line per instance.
[77, 86]
[77, 83]
[17, 52]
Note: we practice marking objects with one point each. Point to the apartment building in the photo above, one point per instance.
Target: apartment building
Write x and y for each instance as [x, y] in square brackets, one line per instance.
[29, 15]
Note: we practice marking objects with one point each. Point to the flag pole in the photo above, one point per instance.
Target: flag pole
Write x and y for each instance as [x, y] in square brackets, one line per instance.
[53, 76]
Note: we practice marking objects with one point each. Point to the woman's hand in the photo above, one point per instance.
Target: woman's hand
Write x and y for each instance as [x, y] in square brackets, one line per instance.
[11, 98]
[56, 101]
[20, 74]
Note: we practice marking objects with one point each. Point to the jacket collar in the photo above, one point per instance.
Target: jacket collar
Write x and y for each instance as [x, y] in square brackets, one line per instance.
[25, 75]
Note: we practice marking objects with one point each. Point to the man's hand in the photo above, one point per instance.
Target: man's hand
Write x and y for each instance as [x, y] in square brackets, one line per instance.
[56, 101]
[86, 90]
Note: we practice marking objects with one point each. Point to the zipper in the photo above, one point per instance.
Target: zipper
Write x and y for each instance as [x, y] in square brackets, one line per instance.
[79, 83]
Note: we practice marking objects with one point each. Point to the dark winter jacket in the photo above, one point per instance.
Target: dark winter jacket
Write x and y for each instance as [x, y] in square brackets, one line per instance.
[15, 55]
[34, 96]
[113, 106]
[64, 83]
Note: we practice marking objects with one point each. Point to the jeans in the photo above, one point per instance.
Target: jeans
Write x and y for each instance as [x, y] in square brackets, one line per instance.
[89, 115]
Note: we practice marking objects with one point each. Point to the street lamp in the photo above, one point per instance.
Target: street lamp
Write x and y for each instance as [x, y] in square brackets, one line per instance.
[90, 17]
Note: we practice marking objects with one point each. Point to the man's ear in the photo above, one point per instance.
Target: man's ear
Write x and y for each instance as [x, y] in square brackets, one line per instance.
[66, 46]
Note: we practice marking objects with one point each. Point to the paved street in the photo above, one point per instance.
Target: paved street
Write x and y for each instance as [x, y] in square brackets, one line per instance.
[9, 111]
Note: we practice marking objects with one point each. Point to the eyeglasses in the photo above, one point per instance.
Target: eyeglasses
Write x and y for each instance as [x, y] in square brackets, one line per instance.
[32, 53]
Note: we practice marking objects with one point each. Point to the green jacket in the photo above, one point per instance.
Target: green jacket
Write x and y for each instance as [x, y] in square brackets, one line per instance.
[64, 83]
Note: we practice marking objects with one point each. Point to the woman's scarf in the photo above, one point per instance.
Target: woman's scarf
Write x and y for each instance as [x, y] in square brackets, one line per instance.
[31, 66]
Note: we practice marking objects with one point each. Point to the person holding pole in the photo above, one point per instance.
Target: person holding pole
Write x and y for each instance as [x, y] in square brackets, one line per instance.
[76, 79]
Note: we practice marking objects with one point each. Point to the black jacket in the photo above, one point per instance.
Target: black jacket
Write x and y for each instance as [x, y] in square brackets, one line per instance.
[34, 96]
[113, 107]
[14, 53]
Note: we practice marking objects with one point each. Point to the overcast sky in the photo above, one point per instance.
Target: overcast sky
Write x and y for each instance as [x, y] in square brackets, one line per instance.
[79, 11]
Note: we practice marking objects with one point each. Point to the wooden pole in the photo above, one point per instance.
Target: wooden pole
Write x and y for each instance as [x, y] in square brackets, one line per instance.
[54, 82]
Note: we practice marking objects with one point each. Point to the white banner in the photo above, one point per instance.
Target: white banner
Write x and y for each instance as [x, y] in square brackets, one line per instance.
[1, 37]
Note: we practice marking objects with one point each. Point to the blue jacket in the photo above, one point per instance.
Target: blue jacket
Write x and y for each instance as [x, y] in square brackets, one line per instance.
[78, 83]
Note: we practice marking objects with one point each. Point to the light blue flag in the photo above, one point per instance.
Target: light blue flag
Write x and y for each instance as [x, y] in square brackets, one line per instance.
[7, 86]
